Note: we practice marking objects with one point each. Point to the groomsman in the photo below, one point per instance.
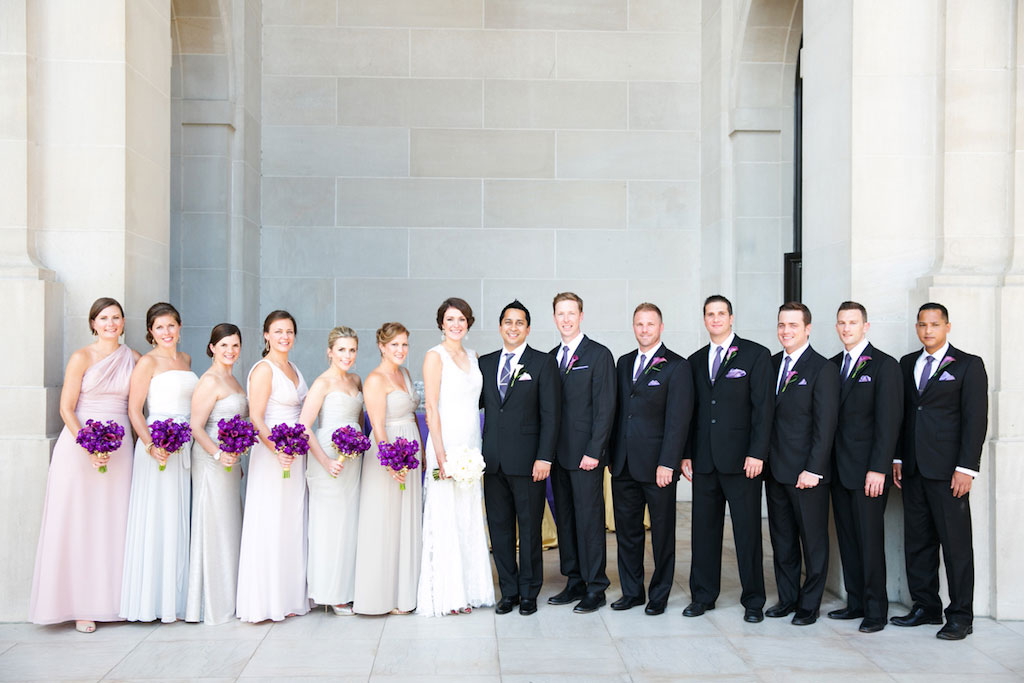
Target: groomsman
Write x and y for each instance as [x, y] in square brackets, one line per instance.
[945, 418]
[520, 398]
[655, 392]
[870, 411]
[577, 476]
[732, 424]
[800, 463]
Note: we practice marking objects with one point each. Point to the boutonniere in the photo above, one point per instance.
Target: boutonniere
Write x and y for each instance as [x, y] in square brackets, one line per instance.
[790, 376]
[731, 353]
[572, 362]
[517, 370]
[945, 361]
[861, 362]
[657, 363]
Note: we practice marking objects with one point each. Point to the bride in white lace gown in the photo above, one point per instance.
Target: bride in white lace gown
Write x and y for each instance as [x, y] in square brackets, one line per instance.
[455, 572]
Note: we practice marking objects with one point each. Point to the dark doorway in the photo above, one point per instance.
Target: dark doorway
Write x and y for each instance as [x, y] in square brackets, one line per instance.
[792, 266]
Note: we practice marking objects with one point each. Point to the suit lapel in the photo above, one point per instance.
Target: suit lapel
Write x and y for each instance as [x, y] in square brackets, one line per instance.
[796, 367]
[524, 360]
[849, 381]
[951, 352]
[725, 357]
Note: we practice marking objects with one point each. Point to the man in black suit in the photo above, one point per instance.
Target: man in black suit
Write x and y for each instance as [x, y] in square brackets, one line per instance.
[800, 464]
[577, 476]
[870, 411]
[732, 424]
[945, 418]
[655, 398]
[520, 398]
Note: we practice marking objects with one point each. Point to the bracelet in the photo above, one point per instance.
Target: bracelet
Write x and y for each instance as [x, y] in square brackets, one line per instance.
[149, 448]
[216, 456]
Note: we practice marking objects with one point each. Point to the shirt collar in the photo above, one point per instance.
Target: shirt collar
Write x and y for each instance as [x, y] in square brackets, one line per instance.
[648, 355]
[938, 355]
[573, 344]
[857, 351]
[517, 355]
[726, 344]
[795, 356]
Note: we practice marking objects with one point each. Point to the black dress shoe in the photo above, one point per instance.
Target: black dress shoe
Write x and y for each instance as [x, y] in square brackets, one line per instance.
[954, 630]
[780, 610]
[627, 602]
[916, 617]
[753, 615]
[505, 605]
[653, 608]
[528, 606]
[590, 603]
[805, 617]
[567, 596]
[695, 609]
[871, 625]
[846, 613]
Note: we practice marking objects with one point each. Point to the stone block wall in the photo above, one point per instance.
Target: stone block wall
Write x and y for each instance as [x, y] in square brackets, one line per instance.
[488, 149]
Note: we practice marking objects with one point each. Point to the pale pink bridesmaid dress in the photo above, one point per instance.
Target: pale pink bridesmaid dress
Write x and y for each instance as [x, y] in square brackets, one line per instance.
[80, 555]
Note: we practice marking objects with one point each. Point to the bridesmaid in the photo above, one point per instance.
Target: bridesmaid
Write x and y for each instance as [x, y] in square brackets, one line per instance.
[216, 499]
[272, 561]
[156, 548]
[333, 486]
[79, 562]
[389, 545]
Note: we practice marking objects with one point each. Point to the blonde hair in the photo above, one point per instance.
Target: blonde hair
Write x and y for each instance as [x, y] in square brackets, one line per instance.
[341, 332]
[567, 296]
[389, 331]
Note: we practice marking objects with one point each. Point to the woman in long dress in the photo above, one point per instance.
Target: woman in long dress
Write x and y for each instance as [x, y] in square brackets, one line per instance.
[80, 555]
[272, 561]
[337, 397]
[156, 548]
[388, 549]
[455, 573]
[216, 500]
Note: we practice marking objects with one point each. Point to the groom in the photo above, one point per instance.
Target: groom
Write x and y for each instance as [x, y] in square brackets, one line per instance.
[521, 402]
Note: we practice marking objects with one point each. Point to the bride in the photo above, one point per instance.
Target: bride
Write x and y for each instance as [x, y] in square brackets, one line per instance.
[455, 573]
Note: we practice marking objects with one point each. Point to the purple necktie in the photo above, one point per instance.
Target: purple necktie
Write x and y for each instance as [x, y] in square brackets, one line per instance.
[506, 375]
[717, 364]
[565, 358]
[640, 368]
[782, 378]
[925, 374]
[846, 366]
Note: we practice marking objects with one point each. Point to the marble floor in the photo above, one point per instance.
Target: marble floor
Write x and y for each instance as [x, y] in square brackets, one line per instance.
[552, 645]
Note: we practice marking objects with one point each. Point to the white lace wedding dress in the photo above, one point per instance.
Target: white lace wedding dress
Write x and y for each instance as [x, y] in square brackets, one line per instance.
[455, 572]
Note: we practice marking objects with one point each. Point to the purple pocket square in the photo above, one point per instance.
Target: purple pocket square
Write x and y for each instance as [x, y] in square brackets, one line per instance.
[802, 383]
[654, 383]
[735, 373]
[946, 377]
[864, 378]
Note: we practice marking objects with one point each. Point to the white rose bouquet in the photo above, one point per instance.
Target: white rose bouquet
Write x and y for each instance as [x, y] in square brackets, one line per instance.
[464, 465]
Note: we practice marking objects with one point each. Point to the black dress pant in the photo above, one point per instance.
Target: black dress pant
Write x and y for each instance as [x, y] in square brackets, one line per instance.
[798, 521]
[710, 494]
[860, 531]
[579, 518]
[628, 500]
[932, 517]
[513, 500]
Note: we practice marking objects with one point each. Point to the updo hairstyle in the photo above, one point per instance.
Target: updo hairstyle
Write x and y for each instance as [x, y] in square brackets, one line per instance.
[219, 332]
[272, 318]
[458, 304]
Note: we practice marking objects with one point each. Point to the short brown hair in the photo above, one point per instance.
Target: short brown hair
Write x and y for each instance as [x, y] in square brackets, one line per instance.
[647, 306]
[567, 296]
[155, 311]
[389, 331]
[97, 308]
[797, 306]
[459, 305]
[720, 299]
[272, 318]
[219, 332]
[853, 306]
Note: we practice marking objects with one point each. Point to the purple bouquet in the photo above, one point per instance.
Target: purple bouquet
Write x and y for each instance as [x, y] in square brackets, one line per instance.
[100, 437]
[399, 456]
[290, 440]
[235, 436]
[349, 442]
[170, 436]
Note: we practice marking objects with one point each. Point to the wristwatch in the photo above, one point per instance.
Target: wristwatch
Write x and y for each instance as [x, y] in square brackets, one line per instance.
[216, 456]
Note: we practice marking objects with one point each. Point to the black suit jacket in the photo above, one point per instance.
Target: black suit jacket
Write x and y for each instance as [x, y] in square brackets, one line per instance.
[805, 419]
[652, 416]
[870, 413]
[588, 404]
[733, 417]
[944, 427]
[523, 427]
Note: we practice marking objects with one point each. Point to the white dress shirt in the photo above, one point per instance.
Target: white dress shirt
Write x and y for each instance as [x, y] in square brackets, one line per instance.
[855, 353]
[725, 352]
[918, 370]
[573, 344]
[516, 357]
[648, 356]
